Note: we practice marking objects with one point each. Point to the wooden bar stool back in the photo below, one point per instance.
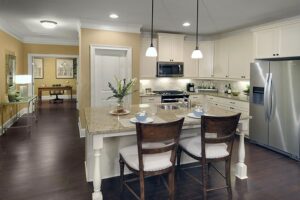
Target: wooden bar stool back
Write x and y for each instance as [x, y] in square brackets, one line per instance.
[214, 144]
[154, 154]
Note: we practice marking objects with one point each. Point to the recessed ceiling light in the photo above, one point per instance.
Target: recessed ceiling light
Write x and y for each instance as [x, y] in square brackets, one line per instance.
[48, 24]
[186, 24]
[114, 16]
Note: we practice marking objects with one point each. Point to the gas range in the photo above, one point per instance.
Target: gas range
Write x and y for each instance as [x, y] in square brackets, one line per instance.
[169, 96]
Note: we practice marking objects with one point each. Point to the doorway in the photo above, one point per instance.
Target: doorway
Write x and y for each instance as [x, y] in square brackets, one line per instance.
[46, 78]
[108, 63]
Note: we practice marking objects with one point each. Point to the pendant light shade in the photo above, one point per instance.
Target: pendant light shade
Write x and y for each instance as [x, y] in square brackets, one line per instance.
[151, 51]
[197, 54]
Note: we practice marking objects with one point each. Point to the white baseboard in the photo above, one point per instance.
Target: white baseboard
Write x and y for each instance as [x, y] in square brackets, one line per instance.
[48, 97]
[81, 130]
[11, 120]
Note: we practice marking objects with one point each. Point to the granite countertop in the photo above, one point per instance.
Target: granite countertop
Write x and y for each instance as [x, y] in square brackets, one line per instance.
[240, 97]
[100, 121]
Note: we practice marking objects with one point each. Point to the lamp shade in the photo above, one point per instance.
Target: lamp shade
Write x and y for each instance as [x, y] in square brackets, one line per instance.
[151, 52]
[23, 79]
[197, 54]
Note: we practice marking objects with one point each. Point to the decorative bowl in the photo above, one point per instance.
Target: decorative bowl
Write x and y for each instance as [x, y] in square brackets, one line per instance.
[141, 116]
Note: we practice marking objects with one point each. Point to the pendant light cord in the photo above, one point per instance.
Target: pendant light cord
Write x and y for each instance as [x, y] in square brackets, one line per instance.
[197, 47]
[152, 25]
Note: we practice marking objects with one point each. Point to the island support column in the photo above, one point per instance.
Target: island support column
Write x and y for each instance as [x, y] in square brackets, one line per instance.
[241, 167]
[97, 147]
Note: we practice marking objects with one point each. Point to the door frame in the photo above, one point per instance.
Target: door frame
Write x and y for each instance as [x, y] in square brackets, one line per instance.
[30, 71]
[93, 48]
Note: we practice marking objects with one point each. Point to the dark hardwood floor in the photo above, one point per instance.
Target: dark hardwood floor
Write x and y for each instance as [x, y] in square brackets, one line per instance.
[48, 164]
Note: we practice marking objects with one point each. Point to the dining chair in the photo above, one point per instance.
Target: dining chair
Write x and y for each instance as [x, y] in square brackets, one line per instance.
[154, 154]
[214, 144]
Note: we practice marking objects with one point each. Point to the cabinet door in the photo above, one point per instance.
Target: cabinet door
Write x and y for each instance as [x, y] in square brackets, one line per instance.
[290, 40]
[154, 99]
[267, 43]
[190, 65]
[240, 55]
[147, 64]
[177, 48]
[206, 63]
[165, 48]
[221, 58]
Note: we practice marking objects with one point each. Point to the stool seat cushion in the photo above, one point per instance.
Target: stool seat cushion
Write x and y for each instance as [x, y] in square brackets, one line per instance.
[152, 162]
[193, 146]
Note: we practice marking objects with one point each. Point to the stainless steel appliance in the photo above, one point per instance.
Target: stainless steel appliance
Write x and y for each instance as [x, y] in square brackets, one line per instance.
[169, 69]
[275, 105]
[170, 96]
[190, 87]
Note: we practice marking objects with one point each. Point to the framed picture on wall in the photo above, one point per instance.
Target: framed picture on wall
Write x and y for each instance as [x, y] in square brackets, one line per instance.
[10, 72]
[38, 68]
[64, 68]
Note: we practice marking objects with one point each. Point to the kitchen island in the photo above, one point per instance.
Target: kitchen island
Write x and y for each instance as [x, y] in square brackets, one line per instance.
[107, 134]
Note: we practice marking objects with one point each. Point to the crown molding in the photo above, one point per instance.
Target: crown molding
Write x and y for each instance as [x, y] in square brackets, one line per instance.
[128, 28]
[50, 41]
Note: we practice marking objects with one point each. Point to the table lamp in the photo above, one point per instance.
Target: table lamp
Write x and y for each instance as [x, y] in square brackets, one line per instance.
[23, 81]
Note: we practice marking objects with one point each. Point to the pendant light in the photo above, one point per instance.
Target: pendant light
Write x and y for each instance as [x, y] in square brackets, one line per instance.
[197, 54]
[151, 51]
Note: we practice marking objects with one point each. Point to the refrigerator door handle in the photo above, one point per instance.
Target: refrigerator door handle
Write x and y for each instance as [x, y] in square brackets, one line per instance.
[272, 96]
[266, 96]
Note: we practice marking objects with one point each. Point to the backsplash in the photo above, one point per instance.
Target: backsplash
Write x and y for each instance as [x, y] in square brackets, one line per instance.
[180, 84]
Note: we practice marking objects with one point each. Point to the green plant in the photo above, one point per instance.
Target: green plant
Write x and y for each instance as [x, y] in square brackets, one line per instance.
[122, 88]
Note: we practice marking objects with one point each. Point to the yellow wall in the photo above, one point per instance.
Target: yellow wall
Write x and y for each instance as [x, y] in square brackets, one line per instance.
[48, 49]
[91, 36]
[9, 45]
[50, 77]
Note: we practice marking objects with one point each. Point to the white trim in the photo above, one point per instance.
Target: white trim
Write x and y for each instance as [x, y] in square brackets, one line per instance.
[93, 48]
[50, 41]
[12, 120]
[127, 28]
[277, 23]
[82, 131]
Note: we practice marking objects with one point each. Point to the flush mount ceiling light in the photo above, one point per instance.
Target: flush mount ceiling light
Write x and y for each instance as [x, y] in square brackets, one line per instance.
[197, 54]
[114, 16]
[48, 24]
[186, 24]
[151, 51]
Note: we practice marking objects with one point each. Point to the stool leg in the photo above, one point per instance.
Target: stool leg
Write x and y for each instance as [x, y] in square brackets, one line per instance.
[121, 173]
[142, 186]
[171, 186]
[204, 181]
[228, 177]
[179, 150]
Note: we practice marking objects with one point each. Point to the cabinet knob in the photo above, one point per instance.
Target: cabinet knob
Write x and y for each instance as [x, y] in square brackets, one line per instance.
[277, 54]
[274, 54]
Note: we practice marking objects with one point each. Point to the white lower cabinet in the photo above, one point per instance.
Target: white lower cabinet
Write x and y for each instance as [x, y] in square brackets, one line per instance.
[232, 105]
[151, 99]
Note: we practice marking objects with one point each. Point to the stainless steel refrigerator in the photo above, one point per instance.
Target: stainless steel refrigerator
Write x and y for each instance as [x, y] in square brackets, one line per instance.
[275, 105]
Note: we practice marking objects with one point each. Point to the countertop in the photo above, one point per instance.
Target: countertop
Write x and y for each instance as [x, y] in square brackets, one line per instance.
[240, 97]
[100, 121]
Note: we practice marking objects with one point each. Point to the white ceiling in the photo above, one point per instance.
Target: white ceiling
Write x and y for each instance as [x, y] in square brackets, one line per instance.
[21, 17]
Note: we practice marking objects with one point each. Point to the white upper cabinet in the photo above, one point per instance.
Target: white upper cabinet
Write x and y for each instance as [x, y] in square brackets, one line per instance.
[290, 40]
[267, 43]
[220, 69]
[206, 63]
[190, 65]
[277, 40]
[170, 47]
[240, 55]
[147, 64]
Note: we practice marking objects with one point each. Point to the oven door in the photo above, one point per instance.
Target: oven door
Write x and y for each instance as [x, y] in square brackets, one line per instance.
[173, 98]
[169, 69]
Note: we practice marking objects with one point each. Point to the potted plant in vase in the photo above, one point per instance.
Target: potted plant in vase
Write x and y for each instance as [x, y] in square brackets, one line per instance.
[122, 89]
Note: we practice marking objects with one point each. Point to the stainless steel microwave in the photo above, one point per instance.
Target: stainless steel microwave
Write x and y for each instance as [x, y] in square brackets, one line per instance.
[169, 69]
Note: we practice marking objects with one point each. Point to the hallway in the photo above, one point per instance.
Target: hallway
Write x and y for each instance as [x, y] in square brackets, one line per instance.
[47, 163]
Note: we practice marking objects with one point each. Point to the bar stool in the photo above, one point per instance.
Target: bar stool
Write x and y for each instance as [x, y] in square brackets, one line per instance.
[214, 144]
[154, 154]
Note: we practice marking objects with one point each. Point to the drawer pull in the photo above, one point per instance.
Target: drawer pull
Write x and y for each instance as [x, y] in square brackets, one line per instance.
[232, 102]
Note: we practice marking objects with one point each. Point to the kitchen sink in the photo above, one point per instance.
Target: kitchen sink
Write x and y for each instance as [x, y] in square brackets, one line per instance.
[169, 107]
